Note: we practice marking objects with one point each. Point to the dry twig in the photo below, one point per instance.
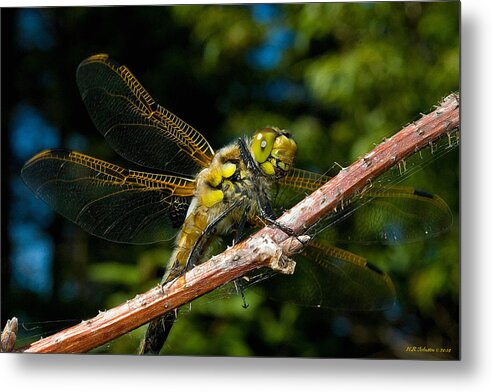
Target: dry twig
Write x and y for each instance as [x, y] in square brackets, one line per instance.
[8, 336]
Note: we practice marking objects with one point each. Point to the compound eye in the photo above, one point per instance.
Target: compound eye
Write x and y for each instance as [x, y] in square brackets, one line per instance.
[262, 144]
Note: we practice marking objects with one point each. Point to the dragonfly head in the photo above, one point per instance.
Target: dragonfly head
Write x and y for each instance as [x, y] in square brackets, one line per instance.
[274, 151]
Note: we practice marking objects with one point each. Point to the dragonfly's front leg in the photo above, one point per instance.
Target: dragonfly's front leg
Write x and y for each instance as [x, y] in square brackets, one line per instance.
[241, 225]
[267, 215]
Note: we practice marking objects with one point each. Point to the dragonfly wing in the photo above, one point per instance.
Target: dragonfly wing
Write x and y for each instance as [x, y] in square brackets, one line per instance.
[294, 187]
[329, 277]
[106, 200]
[389, 215]
[380, 214]
[134, 125]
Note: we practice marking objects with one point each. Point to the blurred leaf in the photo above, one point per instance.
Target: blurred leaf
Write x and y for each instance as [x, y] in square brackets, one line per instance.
[113, 273]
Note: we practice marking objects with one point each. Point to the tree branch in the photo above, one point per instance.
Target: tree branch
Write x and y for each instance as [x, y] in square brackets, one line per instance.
[269, 247]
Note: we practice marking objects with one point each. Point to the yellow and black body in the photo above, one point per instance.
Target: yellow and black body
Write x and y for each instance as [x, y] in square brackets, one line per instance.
[234, 187]
[204, 194]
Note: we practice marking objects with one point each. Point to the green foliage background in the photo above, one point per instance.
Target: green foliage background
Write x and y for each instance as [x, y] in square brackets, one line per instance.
[339, 76]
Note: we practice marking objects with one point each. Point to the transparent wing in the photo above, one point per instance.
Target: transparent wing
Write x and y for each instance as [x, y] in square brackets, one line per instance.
[134, 125]
[383, 214]
[107, 200]
[329, 277]
[389, 215]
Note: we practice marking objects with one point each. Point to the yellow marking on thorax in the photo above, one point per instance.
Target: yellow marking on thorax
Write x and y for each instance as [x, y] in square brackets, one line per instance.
[228, 169]
[211, 182]
[210, 197]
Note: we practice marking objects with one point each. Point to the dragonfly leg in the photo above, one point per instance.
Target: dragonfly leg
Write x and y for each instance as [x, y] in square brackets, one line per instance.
[240, 290]
[241, 225]
[285, 229]
[267, 214]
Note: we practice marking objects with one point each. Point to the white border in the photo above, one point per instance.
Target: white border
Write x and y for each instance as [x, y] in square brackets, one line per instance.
[472, 373]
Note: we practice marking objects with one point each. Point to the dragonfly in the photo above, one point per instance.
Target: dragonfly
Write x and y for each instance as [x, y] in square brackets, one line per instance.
[204, 194]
